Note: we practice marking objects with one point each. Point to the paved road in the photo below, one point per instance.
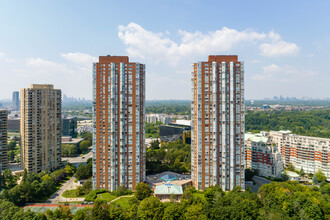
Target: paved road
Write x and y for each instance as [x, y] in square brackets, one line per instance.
[76, 161]
[57, 196]
[259, 182]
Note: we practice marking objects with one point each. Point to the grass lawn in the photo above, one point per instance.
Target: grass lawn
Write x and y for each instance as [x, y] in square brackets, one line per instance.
[71, 194]
[105, 197]
[123, 202]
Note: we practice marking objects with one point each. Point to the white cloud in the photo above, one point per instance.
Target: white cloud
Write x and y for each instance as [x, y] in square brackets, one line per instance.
[156, 47]
[279, 48]
[81, 58]
[285, 73]
[74, 78]
[5, 58]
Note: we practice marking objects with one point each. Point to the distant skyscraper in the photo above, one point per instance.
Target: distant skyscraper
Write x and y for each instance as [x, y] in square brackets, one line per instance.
[217, 137]
[3, 139]
[16, 100]
[118, 121]
[40, 128]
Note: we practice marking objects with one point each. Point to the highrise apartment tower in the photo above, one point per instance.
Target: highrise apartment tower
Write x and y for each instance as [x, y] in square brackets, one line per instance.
[217, 113]
[118, 121]
[3, 139]
[16, 100]
[41, 124]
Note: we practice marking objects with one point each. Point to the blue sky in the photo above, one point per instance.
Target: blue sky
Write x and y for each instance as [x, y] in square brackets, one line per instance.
[284, 44]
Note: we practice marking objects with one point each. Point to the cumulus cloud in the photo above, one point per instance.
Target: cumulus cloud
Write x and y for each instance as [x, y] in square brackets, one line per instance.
[286, 73]
[71, 72]
[5, 58]
[155, 47]
[279, 48]
[81, 58]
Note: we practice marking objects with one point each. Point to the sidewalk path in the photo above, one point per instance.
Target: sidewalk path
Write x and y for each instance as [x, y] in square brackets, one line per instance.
[120, 198]
[57, 196]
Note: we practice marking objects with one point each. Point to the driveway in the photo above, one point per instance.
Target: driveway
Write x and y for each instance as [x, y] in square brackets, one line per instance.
[57, 196]
[259, 182]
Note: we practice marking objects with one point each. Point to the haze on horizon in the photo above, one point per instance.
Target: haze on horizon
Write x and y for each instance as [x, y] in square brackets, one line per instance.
[284, 51]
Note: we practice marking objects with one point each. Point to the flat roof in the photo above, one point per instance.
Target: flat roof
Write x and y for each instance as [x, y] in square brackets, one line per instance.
[256, 137]
[73, 141]
[291, 174]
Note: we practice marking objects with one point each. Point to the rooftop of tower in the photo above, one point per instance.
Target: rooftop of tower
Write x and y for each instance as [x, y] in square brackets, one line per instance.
[223, 58]
[115, 59]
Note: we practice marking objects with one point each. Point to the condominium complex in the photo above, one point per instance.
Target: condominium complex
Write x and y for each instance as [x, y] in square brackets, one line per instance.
[309, 153]
[262, 155]
[118, 123]
[41, 124]
[3, 139]
[153, 118]
[217, 113]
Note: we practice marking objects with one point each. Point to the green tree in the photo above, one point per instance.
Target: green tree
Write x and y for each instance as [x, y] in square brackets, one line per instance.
[72, 150]
[80, 191]
[172, 212]
[195, 212]
[12, 145]
[301, 172]
[84, 145]
[291, 167]
[88, 186]
[320, 176]
[65, 150]
[100, 210]
[87, 135]
[11, 155]
[325, 188]
[70, 169]
[142, 191]
[150, 208]
[81, 172]
[187, 197]
[7, 174]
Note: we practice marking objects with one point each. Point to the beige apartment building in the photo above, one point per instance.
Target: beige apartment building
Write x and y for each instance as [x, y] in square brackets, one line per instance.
[308, 153]
[3, 139]
[40, 128]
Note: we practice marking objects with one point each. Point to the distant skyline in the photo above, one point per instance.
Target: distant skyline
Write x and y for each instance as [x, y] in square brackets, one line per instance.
[285, 44]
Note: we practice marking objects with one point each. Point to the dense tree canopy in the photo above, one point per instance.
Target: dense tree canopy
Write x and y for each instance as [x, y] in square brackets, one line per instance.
[35, 186]
[174, 156]
[310, 123]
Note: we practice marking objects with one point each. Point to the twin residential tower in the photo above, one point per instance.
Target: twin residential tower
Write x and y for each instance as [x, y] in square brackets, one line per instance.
[118, 123]
[217, 114]
[218, 124]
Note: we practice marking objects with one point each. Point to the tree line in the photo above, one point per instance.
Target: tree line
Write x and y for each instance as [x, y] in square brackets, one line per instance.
[314, 123]
[34, 187]
[277, 200]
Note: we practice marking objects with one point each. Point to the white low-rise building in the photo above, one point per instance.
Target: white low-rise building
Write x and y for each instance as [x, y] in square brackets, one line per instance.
[308, 153]
[262, 155]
